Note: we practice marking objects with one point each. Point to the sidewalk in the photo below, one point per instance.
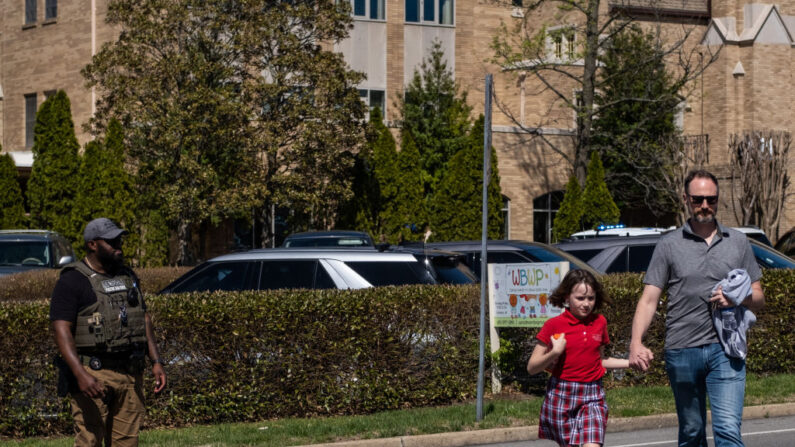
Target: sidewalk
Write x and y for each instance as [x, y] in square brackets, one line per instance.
[530, 433]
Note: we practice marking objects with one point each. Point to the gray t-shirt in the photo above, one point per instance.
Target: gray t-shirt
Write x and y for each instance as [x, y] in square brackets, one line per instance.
[684, 264]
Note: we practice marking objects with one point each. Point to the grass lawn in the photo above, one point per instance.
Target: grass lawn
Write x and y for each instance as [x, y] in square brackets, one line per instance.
[499, 412]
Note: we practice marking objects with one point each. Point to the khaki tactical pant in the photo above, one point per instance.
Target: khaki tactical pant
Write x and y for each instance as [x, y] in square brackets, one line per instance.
[117, 417]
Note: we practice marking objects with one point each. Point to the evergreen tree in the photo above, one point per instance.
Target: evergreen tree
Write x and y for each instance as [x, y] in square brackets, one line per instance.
[52, 187]
[105, 187]
[597, 203]
[361, 212]
[385, 171]
[569, 216]
[12, 213]
[457, 205]
[405, 213]
[637, 103]
[435, 115]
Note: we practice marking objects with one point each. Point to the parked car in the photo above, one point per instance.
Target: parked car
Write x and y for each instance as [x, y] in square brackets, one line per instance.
[23, 250]
[335, 238]
[305, 268]
[508, 252]
[618, 230]
[756, 234]
[786, 243]
[633, 254]
[449, 267]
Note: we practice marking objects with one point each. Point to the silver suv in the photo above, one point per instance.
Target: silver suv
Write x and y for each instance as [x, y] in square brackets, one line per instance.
[302, 268]
[23, 250]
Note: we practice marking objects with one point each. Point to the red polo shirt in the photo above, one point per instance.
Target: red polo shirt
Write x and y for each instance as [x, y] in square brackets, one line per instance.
[581, 361]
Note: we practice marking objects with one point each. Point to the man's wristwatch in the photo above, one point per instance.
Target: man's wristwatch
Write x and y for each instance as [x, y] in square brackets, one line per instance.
[158, 360]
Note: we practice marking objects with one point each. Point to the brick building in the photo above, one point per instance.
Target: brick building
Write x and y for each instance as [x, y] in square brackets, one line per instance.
[45, 43]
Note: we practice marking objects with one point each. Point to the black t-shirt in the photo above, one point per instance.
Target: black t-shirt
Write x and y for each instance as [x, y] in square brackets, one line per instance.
[71, 294]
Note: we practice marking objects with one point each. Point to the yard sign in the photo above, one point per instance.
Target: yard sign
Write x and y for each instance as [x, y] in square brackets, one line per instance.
[518, 297]
[518, 293]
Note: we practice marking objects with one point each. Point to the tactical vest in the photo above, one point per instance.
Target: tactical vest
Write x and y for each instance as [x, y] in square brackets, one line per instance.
[116, 321]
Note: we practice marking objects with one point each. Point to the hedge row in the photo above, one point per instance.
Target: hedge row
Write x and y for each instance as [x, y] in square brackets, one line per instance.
[249, 356]
[38, 284]
[254, 355]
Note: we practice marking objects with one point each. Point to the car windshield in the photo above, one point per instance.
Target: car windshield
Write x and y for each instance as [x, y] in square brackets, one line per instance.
[24, 253]
[392, 273]
[450, 270]
[552, 254]
[770, 259]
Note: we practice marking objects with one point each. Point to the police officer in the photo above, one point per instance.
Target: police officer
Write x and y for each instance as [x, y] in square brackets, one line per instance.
[103, 332]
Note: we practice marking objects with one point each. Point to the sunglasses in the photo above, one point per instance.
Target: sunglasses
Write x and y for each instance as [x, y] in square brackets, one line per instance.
[698, 200]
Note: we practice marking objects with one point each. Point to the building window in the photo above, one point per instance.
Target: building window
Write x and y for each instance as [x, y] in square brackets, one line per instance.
[30, 118]
[48, 93]
[545, 207]
[50, 9]
[562, 43]
[30, 11]
[370, 9]
[440, 12]
[373, 99]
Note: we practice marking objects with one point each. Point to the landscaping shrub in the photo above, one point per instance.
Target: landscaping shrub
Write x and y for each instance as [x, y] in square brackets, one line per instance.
[244, 356]
[38, 284]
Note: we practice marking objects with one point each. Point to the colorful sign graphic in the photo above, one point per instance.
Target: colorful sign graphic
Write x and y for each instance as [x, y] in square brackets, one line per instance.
[518, 293]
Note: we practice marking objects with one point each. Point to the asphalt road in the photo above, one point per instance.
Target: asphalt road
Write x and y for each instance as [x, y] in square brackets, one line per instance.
[766, 432]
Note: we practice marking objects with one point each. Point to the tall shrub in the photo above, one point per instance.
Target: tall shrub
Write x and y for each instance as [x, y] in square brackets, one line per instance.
[105, 186]
[52, 187]
[569, 216]
[597, 203]
[362, 211]
[457, 204]
[12, 213]
[406, 214]
[436, 115]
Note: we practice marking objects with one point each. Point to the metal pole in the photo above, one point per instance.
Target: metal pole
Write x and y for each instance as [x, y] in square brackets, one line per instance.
[483, 246]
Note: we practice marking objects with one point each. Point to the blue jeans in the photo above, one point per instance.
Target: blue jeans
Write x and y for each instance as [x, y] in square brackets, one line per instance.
[696, 373]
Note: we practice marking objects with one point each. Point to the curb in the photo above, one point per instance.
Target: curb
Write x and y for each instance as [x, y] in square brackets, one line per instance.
[530, 432]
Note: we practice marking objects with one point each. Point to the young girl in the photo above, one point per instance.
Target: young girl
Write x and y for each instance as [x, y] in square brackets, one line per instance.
[571, 347]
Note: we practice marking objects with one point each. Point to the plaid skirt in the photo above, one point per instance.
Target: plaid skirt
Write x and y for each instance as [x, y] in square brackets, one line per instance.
[573, 413]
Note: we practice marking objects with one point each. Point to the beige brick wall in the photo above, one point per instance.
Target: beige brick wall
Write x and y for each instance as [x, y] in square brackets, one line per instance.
[528, 169]
[47, 56]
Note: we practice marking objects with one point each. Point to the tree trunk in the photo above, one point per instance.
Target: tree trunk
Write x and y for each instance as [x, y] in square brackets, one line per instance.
[585, 110]
[183, 236]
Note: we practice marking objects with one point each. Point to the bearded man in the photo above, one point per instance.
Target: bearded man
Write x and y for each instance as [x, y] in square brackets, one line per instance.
[689, 262]
[103, 332]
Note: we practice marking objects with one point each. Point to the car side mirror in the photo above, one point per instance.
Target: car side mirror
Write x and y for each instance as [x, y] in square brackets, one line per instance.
[65, 260]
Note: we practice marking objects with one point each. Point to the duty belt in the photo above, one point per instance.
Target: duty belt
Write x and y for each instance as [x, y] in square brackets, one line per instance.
[116, 363]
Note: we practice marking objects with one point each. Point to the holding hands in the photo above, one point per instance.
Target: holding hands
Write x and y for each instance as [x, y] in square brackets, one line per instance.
[640, 357]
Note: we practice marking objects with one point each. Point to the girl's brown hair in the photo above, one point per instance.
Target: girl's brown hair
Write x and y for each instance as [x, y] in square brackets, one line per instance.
[571, 280]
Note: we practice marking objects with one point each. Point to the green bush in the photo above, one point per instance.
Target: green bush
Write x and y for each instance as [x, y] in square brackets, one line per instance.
[38, 284]
[245, 356]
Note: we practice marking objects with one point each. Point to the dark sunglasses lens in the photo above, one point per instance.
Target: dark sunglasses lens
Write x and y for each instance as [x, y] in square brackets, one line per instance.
[698, 200]
[115, 243]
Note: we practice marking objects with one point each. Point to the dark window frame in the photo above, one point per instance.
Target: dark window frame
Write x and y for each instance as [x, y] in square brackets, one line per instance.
[31, 108]
[50, 9]
[31, 12]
